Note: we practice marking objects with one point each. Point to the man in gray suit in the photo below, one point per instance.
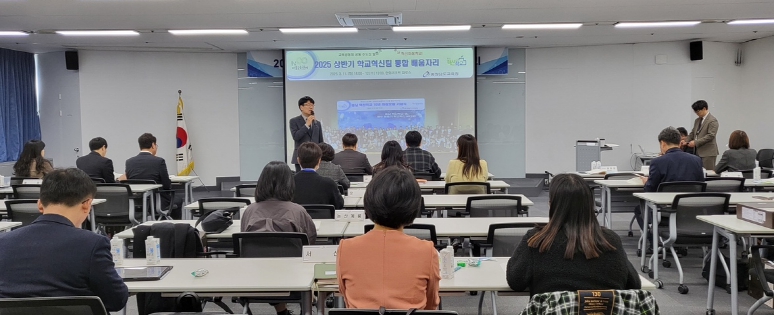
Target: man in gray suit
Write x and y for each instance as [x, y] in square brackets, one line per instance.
[305, 127]
[702, 136]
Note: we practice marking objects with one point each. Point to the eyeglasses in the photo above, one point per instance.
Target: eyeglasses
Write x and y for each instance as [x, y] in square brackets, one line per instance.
[309, 105]
[87, 199]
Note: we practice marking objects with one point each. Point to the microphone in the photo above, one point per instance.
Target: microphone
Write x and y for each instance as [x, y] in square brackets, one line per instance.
[313, 121]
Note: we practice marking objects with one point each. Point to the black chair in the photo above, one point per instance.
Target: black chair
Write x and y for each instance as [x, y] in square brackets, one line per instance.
[425, 176]
[349, 311]
[230, 204]
[22, 210]
[163, 213]
[269, 245]
[342, 191]
[423, 210]
[355, 177]
[765, 276]
[724, 184]
[495, 206]
[17, 180]
[765, 158]
[98, 180]
[28, 191]
[320, 211]
[118, 208]
[682, 187]
[421, 231]
[244, 190]
[748, 174]
[685, 230]
[67, 305]
[467, 188]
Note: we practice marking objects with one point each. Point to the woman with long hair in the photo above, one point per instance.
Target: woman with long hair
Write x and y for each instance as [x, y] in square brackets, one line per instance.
[392, 155]
[572, 252]
[31, 162]
[468, 167]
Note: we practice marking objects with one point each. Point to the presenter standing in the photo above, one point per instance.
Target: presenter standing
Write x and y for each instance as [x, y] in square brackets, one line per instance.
[304, 128]
[702, 136]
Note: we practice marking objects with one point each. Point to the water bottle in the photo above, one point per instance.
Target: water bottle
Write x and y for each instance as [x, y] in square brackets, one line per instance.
[593, 164]
[757, 172]
[152, 252]
[117, 250]
[447, 263]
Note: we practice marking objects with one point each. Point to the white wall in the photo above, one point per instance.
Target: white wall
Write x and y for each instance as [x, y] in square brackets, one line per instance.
[757, 91]
[124, 94]
[60, 113]
[619, 93]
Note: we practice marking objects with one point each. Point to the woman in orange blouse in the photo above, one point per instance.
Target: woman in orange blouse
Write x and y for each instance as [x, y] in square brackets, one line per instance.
[385, 267]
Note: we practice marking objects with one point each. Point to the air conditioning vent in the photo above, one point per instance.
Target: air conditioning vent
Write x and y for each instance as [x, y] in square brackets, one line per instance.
[368, 19]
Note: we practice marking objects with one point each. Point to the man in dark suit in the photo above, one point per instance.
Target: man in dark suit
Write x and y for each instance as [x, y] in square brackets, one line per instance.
[305, 127]
[702, 136]
[311, 188]
[147, 165]
[95, 164]
[51, 257]
[673, 165]
[350, 160]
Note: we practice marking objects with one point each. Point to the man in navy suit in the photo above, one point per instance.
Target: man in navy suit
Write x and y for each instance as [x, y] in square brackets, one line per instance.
[95, 164]
[147, 165]
[673, 165]
[51, 257]
[305, 128]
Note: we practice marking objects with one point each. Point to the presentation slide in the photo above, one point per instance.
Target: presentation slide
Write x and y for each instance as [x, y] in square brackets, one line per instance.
[380, 94]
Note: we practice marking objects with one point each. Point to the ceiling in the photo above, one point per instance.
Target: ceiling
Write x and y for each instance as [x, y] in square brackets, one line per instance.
[262, 18]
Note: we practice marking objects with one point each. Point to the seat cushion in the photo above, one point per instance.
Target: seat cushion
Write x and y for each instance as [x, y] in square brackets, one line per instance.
[688, 237]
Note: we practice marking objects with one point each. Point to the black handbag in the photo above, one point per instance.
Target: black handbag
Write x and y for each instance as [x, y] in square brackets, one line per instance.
[215, 221]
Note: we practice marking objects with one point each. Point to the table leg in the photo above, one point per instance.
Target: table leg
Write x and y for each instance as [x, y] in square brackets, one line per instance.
[608, 204]
[145, 196]
[644, 246]
[732, 275]
[654, 225]
[712, 270]
[306, 303]
[92, 220]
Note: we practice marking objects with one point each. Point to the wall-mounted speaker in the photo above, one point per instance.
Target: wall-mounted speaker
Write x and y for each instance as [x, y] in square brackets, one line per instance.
[697, 50]
[71, 60]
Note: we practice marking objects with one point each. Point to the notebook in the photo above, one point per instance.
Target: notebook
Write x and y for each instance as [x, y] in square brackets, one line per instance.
[148, 273]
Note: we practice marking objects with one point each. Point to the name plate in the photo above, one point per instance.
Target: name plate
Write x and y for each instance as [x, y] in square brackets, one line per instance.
[32, 182]
[350, 215]
[732, 174]
[320, 253]
[596, 302]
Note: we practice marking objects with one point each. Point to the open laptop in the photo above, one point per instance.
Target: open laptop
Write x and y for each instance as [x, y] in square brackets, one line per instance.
[646, 154]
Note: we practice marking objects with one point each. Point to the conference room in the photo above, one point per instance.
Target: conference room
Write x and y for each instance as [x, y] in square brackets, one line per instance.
[234, 120]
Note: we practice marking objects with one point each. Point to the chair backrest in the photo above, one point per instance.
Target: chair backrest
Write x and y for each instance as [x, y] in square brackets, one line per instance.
[68, 305]
[682, 187]
[355, 177]
[17, 180]
[269, 244]
[467, 188]
[765, 158]
[245, 190]
[230, 204]
[425, 176]
[422, 209]
[320, 211]
[341, 189]
[118, 202]
[26, 191]
[493, 206]
[724, 184]
[749, 174]
[620, 176]
[505, 237]
[139, 181]
[688, 206]
[351, 311]
[22, 210]
[421, 231]
[98, 180]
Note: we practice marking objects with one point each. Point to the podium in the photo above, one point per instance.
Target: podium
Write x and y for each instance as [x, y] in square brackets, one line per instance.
[587, 151]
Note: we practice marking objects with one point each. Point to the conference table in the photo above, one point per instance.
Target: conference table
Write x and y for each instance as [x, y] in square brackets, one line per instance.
[457, 201]
[186, 181]
[145, 190]
[7, 225]
[655, 200]
[436, 185]
[327, 228]
[477, 228]
[489, 176]
[349, 202]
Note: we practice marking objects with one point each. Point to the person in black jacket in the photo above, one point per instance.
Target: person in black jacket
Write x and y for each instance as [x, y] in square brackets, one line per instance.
[304, 128]
[147, 165]
[95, 164]
[311, 188]
[572, 252]
[52, 257]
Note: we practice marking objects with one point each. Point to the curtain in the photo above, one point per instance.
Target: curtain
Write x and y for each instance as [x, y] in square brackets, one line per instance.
[19, 120]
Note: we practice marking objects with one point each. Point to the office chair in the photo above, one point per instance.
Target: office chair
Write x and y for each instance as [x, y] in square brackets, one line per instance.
[22, 210]
[244, 190]
[320, 211]
[85, 305]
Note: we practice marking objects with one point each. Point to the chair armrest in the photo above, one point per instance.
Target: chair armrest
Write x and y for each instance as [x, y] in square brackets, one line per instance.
[232, 256]
[485, 245]
[210, 254]
[668, 210]
[758, 269]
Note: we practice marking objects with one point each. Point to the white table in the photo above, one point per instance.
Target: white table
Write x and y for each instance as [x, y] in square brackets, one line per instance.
[325, 229]
[453, 227]
[437, 201]
[656, 199]
[349, 202]
[5, 191]
[186, 181]
[730, 227]
[610, 185]
[7, 226]
[245, 277]
[493, 184]
[489, 176]
[147, 190]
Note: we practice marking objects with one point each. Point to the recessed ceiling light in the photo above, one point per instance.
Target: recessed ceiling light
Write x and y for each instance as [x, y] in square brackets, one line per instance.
[552, 26]
[431, 28]
[319, 30]
[13, 33]
[208, 32]
[98, 33]
[656, 24]
[758, 21]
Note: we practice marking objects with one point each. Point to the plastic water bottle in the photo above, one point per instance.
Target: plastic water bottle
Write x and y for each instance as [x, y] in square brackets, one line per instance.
[152, 252]
[757, 172]
[117, 249]
[447, 263]
[593, 164]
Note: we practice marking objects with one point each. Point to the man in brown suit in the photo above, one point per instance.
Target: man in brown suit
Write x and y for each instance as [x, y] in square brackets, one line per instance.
[702, 136]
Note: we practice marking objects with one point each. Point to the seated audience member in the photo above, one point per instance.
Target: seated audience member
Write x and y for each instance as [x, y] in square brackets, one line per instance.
[683, 137]
[52, 257]
[32, 162]
[273, 210]
[373, 270]
[420, 160]
[468, 167]
[739, 157]
[350, 160]
[572, 252]
[95, 164]
[330, 170]
[147, 165]
[673, 165]
[311, 188]
[392, 155]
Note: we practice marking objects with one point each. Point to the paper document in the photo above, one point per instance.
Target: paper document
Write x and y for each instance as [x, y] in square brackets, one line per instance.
[635, 181]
